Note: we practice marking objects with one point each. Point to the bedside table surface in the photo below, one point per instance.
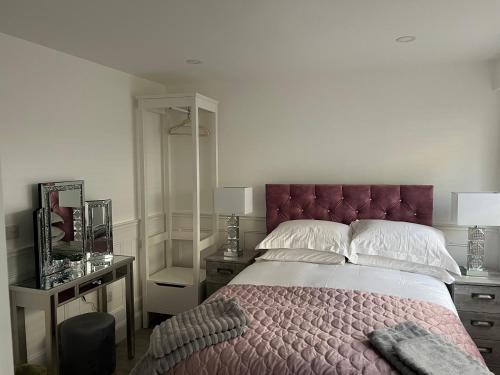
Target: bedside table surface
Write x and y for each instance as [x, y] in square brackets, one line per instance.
[247, 257]
[492, 279]
[222, 269]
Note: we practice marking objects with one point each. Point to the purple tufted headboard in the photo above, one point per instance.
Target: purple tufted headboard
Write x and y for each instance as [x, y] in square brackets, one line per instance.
[346, 203]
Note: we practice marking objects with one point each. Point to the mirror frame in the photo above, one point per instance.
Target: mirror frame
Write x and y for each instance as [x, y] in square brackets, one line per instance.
[44, 253]
[106, 205]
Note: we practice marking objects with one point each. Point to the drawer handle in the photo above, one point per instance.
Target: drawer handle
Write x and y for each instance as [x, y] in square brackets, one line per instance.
[481, 323]
[482, 296]
[170, 285]
[484, 350]
[225, 271]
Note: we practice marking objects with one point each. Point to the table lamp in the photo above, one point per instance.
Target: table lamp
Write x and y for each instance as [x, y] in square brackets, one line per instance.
[233, 201]
[476, 210]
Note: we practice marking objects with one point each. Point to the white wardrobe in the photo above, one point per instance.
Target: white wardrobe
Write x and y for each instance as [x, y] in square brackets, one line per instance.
[177, 173]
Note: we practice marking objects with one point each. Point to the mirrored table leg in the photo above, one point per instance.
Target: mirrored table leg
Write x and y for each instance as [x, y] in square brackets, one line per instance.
[18, 331]
[102, 299]
[51, 339]
[129, 291]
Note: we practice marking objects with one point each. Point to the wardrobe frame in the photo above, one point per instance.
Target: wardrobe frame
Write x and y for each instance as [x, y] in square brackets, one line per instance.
[173, 289]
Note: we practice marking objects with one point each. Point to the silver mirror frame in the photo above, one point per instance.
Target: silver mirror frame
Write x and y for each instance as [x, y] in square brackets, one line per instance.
[106, 206]
[46, 264]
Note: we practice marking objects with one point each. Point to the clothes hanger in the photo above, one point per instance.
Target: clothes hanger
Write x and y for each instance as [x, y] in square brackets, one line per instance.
[186, 124]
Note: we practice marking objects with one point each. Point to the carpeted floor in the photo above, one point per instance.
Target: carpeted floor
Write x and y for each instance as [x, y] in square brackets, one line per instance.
[123, 364]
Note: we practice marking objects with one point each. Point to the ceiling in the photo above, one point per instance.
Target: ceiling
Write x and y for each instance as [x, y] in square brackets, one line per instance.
[257, 38]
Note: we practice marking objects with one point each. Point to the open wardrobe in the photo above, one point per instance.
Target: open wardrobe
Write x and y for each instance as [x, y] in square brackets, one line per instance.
[178, 172]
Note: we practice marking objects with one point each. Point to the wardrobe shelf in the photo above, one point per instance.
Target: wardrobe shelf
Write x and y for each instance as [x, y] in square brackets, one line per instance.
[180, 235]
[182, 276]
[187, 235]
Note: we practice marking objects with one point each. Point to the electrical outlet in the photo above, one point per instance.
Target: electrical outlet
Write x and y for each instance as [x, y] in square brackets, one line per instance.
[110, 295]
[12, 232]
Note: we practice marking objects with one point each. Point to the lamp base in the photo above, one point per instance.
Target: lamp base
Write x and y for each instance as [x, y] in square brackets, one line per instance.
[233, 254]
[475, 252]
[233, 237]
[477, 273]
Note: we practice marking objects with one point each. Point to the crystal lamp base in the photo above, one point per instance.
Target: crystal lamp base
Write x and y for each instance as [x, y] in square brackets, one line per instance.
[233, 237]
[475, 252]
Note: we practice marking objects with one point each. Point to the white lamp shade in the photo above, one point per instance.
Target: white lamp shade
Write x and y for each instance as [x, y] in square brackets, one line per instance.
[471, 209]
[233, 200]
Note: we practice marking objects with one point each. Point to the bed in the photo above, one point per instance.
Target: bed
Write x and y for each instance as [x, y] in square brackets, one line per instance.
[308, 318]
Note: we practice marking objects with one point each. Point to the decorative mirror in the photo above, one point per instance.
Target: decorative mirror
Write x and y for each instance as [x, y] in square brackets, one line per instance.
[60, 226]
[99, 229]
[72, 237]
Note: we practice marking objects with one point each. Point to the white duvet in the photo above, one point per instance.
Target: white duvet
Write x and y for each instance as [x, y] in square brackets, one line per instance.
[347, 276]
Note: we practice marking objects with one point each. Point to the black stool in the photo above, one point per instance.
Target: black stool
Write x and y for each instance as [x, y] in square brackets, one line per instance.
[87, 345]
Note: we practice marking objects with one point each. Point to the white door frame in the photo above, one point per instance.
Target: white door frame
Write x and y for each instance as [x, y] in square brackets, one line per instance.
[6, 352]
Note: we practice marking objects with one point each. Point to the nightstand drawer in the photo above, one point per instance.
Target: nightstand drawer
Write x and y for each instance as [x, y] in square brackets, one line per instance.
[481, 325]
[213, 287]
[495, 369]
[490, 350]
[223, 272]
[478, 298]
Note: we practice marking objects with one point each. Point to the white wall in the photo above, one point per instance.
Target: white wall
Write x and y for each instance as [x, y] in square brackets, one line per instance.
[437, 125]
[496, 74]
[430, 125]
[65, 118]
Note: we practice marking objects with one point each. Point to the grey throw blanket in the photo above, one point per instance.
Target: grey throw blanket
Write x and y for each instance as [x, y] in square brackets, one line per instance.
[413, 350]
[180, 336]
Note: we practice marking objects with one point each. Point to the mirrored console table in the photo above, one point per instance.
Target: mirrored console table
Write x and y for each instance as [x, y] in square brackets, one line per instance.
[91, 276]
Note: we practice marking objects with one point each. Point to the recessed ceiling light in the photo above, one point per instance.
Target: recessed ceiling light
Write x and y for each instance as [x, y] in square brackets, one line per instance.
[406, 39]
[193, 61]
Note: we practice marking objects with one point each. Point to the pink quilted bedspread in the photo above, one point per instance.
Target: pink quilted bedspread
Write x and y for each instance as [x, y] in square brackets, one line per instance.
[299, 330]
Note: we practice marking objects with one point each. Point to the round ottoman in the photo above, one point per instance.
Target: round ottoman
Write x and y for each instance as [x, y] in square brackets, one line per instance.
[87, 344]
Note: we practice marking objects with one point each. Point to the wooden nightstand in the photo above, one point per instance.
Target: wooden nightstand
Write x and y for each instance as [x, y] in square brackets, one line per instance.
[477, 300]
[221, 269]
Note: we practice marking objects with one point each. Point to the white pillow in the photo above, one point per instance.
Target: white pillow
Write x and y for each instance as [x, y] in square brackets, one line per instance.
[382, 262]
[57, 234]
[309, 234]
[55, 218]
[302, 255]
[408, 242]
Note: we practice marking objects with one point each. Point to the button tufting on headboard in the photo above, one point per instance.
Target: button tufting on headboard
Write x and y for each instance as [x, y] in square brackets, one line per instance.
[346, 203]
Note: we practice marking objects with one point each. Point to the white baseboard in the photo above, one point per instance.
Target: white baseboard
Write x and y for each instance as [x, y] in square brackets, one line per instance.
[38, 358]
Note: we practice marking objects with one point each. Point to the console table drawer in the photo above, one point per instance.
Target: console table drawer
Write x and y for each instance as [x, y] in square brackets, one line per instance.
[95, 283]
[481, 325]
[477, 298]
